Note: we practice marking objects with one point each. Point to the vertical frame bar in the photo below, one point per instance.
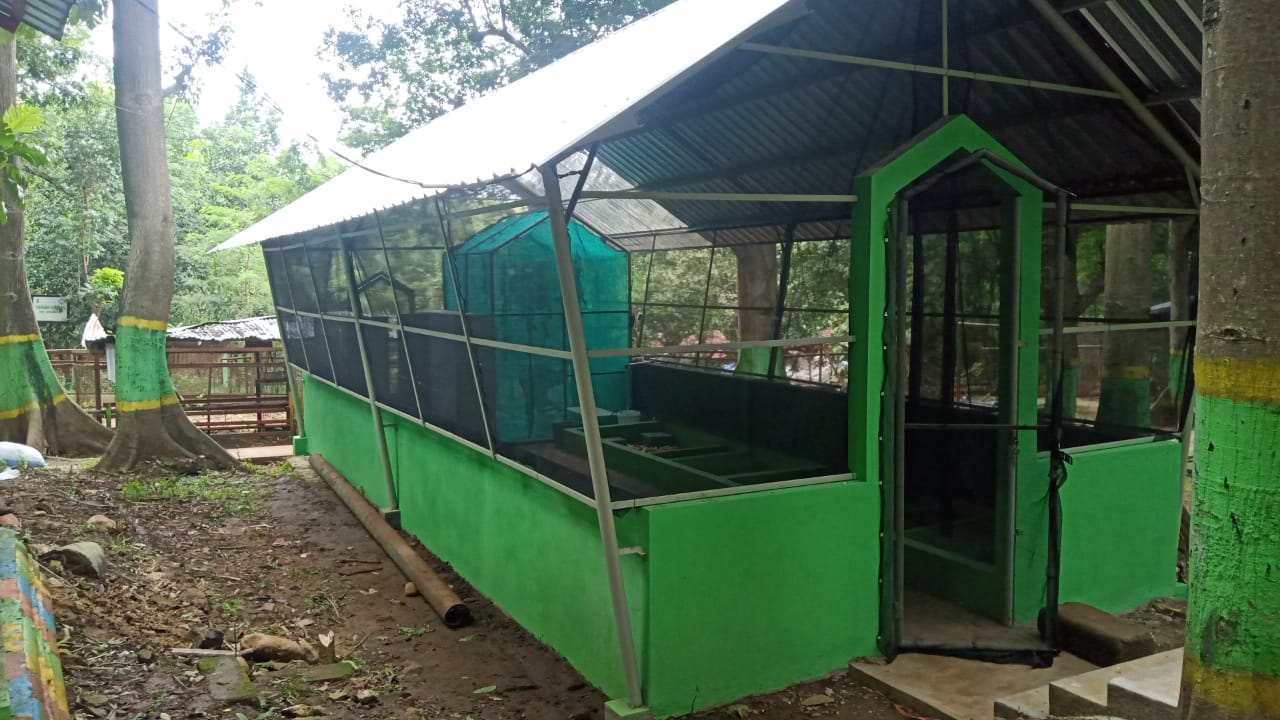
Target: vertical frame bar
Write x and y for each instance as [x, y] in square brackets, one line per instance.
[591, 430]
[284, 342]
[395, 305]
[446, 228]
[384, 455]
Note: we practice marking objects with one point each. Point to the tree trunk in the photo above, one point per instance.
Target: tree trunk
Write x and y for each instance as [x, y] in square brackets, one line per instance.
[1231, 666]
[757, 303]
[33, 407]
[1126, 356]
[152, 425]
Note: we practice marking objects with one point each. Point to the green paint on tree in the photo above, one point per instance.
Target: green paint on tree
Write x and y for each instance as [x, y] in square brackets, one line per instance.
[1233, 617]
[142, 376]
[1125, 401]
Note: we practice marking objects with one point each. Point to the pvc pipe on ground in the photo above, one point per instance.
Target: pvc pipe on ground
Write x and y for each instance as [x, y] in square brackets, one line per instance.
[435, 591]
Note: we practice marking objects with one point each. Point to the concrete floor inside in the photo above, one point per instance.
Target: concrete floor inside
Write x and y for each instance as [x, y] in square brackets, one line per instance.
[956, 688]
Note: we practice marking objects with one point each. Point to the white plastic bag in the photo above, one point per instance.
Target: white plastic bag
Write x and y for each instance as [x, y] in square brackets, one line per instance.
[17, 454]
[10, 474]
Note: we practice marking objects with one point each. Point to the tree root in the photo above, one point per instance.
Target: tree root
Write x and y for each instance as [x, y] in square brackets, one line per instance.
[163, 436]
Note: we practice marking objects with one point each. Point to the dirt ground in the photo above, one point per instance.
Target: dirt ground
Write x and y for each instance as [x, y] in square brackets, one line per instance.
[274, 551]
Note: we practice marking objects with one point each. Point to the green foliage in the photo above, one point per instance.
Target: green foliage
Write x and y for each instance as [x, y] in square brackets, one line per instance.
[16, 126]
[102, 292]
[224, 178]
[449, 51]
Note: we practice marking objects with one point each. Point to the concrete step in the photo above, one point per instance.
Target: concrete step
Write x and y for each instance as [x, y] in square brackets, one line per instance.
[1086, 694]
[1149, 694]
[1030, 705]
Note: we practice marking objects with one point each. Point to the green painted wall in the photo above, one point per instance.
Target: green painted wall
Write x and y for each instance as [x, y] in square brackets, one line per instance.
[755, 592]
[734, 596]
[531, 549]
[1120, 511]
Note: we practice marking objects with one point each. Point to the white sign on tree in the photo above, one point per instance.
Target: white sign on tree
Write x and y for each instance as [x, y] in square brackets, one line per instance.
[49, 308]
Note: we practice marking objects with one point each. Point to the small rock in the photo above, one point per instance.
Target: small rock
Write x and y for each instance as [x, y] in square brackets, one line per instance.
[82, 558]
[303, 711]
[366, 697]
[815, 700]
[145, 656]
[205, 638]
[102, 523]
[338, 695]
[409, 668]
[274, 647]
[10, 520]
[410, 590]
[321, 673]
[229, 681]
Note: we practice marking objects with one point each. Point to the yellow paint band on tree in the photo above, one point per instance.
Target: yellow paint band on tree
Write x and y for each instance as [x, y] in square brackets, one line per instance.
[142, 323]
[17, 339]
[33, 405]
[1127, 372]
[140, 405]
[1256, 380]
[1244, 694]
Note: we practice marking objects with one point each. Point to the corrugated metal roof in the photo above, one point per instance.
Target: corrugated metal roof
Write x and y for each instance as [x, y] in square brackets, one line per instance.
[262, 329]
[532, 120]
[47, 16]
[703, 114]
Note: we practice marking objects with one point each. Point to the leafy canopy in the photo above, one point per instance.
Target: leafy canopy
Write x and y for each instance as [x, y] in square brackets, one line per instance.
[395, 75]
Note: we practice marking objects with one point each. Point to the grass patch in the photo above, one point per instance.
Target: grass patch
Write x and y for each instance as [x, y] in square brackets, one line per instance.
[238, 494]
[229, 608]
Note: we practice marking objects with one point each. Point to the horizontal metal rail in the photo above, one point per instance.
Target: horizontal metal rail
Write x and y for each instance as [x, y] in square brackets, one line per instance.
[1121, 327]
[713, 347]
[929, 70]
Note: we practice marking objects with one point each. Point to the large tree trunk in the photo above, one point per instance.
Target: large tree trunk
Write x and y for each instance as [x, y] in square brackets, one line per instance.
[33, 407]
[1126, 356]
[152, 425]
[1231, 667]
[757, 305]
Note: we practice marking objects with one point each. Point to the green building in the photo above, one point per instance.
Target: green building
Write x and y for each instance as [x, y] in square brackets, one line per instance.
[881, 197]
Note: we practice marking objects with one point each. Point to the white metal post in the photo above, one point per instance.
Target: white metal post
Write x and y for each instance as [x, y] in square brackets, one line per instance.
[591, 430]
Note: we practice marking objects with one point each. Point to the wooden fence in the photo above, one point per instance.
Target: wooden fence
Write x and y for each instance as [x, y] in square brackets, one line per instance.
[237, 392]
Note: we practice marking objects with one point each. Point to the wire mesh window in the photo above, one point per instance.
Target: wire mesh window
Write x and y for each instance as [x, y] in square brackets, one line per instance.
[462, 325]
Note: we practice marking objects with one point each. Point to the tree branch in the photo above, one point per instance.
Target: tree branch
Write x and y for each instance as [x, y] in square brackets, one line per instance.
[48, 178]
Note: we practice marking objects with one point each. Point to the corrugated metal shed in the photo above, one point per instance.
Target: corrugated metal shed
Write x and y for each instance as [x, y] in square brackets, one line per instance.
[47, 16]
[798, 97]
[263, 329]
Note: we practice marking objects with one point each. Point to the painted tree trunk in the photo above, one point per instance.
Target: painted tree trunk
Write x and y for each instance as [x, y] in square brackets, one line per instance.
[757, 304]
[1231, 667]
[33, 407]
[152, 425]
[1126, 356]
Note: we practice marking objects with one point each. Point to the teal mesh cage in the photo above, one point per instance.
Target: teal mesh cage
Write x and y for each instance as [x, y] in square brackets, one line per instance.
[508, 281]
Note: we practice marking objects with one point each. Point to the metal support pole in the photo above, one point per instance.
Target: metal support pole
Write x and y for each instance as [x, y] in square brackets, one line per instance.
[395, 305]
[895, 259]
[1056, 460]
[284, 343]
[1113, 81]
[915, 376]
[946, 61]
[784, 279]
[384, 455]
[446, 230]
[591, 429]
